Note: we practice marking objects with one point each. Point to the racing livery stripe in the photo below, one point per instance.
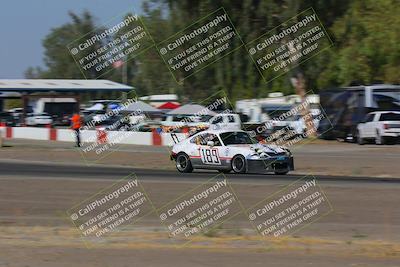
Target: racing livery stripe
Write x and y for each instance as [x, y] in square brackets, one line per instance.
[198, 157]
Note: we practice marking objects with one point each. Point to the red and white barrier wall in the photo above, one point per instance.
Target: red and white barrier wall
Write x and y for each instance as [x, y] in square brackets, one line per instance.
[67, 135]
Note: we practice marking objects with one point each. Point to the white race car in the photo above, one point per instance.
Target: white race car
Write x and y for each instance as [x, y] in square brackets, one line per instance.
[226, 151]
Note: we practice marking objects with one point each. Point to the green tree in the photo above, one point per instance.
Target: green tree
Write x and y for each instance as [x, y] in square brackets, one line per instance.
[57, 58]
[366, 44]
[364, 33]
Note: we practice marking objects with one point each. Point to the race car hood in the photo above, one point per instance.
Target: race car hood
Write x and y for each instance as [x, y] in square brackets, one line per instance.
[259, 148]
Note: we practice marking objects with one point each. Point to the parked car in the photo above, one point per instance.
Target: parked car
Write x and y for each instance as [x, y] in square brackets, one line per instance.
[17, 114]
[7, 118]
[346, 107]
[146, 126]
[114, 123]
[40, 119]
[178, 121]
[382, 127]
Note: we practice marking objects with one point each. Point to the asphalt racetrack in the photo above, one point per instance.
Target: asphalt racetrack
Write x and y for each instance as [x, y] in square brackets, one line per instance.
[54, 170]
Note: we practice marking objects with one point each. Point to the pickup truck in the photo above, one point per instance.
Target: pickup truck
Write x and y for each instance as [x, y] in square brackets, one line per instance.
[39, 119]
[219, 121]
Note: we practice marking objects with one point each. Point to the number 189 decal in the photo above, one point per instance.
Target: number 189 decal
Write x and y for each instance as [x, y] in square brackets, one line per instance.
[210, 156]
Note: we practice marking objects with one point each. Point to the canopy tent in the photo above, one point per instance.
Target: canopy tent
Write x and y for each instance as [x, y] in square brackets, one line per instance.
[192, 109]
[95, 107]
[141, 107]
[169, 105]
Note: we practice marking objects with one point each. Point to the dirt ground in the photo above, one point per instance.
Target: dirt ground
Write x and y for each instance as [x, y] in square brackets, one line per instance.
[362, 230]
[49, 256]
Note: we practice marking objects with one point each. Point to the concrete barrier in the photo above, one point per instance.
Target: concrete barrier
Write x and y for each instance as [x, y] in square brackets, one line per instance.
[28, 133]
[153, 138]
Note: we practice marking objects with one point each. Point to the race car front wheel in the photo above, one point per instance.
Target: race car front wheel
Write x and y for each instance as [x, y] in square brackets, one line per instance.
[183, 163]
[239, 164]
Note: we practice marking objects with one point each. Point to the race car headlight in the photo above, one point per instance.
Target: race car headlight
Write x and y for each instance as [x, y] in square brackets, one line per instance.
[259, 155]
[254, 156]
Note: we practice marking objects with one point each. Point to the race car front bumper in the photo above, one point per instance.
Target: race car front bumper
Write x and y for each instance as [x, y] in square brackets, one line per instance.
[272, 164]
[172, 156]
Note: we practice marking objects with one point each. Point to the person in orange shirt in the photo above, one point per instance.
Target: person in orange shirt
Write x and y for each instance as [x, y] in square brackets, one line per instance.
[76, 125]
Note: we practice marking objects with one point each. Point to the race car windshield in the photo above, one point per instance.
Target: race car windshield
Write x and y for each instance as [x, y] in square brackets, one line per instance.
[236, 138]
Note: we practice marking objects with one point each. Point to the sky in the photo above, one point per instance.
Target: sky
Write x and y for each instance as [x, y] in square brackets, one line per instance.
[25, 23]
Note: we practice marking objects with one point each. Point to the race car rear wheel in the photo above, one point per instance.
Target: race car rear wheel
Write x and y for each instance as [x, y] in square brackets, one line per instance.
[183, 163]
[238, 164]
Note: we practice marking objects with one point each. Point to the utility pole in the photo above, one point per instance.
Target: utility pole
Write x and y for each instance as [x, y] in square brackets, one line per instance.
[124, 71]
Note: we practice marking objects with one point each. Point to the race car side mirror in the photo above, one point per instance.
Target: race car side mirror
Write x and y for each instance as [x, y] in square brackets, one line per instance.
[210, 143]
